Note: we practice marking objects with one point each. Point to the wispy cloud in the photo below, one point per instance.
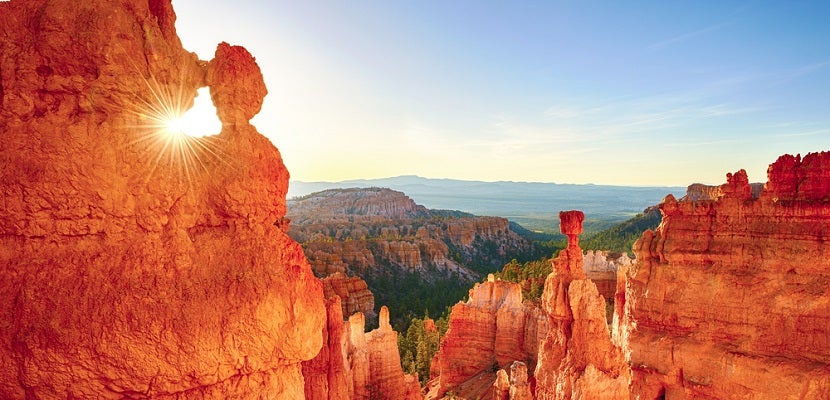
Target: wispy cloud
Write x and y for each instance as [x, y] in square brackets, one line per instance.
[640, 114]
[699, 143]
[686, 36]
[800, 134]
[802, 70]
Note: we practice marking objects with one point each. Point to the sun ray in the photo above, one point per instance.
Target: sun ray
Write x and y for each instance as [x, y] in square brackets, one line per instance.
[172, 136]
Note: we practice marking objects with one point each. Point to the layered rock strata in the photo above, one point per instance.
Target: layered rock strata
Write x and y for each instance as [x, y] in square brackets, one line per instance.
[577, 359]
[372, 230]
[729, 296]
[357, 365]
[601, 268]
[137, 263]
[353, 292]
[491, 330]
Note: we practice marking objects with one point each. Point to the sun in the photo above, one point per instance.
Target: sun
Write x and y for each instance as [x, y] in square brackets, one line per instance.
[176, 139]
[199, 121]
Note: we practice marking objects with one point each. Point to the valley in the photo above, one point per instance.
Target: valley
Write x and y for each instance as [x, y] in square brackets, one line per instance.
[414, 259]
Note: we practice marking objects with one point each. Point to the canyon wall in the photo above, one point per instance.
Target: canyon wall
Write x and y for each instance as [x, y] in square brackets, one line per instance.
[357, 365]
[729, 298]
[369, 230]
[137, 263]
[601, 268]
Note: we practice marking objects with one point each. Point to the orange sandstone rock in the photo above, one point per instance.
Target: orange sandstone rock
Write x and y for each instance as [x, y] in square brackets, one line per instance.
[326, 376]
[135, 265]
[729, 297]
[492, 329]
[358, 365]
[352, 290]
[519, 388]
[501, 386]
[577, 359]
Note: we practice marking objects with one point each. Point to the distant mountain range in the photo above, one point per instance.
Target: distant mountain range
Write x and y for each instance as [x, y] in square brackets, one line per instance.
[534, 205]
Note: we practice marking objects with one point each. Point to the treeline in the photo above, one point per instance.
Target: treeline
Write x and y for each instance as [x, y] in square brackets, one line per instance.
[529, 275]
[622, 236]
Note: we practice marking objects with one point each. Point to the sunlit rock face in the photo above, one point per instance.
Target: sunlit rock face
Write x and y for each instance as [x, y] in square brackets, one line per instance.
[601, 268]
[489, 331]
[730, 296]
[577, 358]
[358, 365]
[136, 264]
[353, 292]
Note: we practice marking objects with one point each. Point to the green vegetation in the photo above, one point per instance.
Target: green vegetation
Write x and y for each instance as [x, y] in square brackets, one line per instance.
[529, 275]
[420, 343]
[409, 296]
[622, 236]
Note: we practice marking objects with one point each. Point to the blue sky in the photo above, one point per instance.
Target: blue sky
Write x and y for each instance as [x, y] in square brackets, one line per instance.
[627, 93]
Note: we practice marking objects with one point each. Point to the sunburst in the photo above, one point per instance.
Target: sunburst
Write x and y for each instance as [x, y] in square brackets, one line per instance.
[179, 139]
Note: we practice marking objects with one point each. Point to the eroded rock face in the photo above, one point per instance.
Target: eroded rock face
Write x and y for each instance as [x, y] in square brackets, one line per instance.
[358, 365]
[601, 268]
[577, 359]
[352, 290]
[135, 264]
[371, 231]
[730, 295]
[491, 330]
[327, 376]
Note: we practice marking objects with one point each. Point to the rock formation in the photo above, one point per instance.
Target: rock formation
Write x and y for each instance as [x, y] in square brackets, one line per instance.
[519, 388]
[327, 375]
[490, 331]
[386, 377]
[357, 365]
[577, 359]
[501, 386]
[601, 268]
[729, 298]
[363, 231]
[698, 192]
[136, 263]
[513, 386]
[353, 292]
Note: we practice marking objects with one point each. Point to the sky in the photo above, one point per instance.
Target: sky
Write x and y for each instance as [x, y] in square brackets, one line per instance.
[644, 93]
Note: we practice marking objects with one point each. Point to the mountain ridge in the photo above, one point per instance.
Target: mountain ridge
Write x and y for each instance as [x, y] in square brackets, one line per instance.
[534, 205]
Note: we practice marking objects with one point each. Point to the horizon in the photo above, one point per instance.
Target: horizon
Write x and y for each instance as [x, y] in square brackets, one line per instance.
[495, 181]
[636, 94]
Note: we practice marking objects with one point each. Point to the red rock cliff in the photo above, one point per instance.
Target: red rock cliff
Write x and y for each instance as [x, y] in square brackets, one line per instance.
[135, 263]
[729, 297]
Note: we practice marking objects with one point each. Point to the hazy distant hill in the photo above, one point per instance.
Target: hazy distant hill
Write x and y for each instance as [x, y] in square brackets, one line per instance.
[534, 205]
